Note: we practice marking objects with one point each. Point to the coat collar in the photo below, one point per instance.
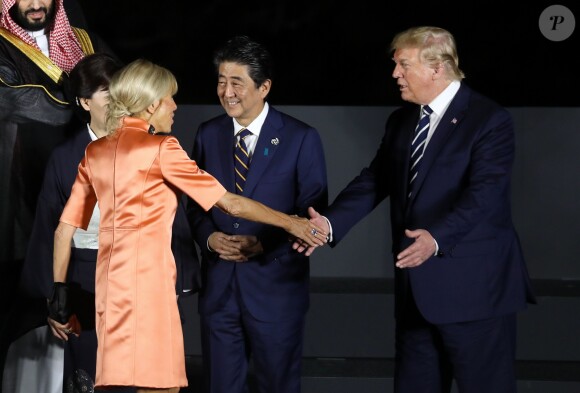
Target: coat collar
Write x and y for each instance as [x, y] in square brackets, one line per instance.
[134, 122]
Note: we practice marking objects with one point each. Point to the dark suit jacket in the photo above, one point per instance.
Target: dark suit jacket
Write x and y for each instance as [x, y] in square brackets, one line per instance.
[463, 200]
[287, 173]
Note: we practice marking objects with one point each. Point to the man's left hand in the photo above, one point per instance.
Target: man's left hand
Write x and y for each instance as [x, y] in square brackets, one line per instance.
[422, 249]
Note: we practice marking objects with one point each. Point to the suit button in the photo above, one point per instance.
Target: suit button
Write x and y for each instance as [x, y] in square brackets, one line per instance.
[236, 225]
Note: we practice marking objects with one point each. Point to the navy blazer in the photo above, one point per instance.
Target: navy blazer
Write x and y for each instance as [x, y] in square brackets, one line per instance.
[287, 173]
[462, 199]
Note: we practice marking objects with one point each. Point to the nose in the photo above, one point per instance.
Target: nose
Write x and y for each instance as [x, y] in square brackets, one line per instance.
[396, 72]
[229, 92]
[35, 4]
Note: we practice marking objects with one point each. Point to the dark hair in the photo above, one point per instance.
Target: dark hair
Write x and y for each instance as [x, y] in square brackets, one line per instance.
[91, 74]
[245, 51]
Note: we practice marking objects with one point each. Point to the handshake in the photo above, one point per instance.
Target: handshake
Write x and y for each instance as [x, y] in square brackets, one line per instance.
[321, 222]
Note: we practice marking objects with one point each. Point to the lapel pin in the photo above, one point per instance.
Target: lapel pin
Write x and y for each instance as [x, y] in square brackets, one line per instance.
[265, 151]
[454, 121]
[275, 141]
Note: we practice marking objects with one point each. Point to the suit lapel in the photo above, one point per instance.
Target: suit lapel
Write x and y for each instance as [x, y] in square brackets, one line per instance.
[268, 142]
[449, 122]
[408, 129]
[225, 137]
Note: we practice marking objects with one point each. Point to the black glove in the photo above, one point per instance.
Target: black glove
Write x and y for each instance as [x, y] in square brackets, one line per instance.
[59, 305]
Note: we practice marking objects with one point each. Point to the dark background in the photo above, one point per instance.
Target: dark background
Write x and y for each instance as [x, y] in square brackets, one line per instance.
[334, 72]
[331, 54]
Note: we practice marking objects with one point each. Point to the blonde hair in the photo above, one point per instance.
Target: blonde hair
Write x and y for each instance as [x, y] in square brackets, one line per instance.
[436, 47]
[135, 87]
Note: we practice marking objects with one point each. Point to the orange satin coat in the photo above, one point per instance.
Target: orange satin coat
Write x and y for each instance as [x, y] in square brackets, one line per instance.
[134, 176]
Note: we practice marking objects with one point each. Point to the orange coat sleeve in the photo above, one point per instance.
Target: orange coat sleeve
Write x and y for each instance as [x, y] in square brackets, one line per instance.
[181, 171]
[81, 203]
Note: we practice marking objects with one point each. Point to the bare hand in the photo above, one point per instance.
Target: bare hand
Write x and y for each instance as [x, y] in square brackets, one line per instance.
[422, 249]
[73, 326]
[308, 232]
[223, 245]
[318, 220]
[235, 248]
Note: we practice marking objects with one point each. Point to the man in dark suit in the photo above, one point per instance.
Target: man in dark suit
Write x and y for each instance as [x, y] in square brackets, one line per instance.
[255, 287]
[460, 275]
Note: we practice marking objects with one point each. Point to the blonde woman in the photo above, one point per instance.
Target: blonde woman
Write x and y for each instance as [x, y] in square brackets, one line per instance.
[137, 173]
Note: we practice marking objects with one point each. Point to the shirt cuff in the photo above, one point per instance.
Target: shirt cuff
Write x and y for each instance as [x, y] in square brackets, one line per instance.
[437, 254]
[329, 236]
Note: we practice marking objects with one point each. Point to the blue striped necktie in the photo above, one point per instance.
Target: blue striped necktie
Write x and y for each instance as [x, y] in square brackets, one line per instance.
[241, 160]
[418, 147]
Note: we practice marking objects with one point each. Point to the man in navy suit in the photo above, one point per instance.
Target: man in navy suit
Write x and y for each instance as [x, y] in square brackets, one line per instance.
[255, 287]
[460, 275]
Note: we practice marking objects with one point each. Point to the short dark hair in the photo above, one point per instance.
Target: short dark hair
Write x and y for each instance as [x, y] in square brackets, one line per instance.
[91, 74]
[243, 50]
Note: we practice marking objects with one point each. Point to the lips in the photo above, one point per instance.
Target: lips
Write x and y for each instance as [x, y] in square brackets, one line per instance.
[36, 14]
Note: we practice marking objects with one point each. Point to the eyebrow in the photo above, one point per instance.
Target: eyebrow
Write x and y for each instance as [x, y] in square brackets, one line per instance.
[238, 78]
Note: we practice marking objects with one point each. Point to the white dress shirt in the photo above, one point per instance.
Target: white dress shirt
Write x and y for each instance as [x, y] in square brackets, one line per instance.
[254, 127]
[41, 40]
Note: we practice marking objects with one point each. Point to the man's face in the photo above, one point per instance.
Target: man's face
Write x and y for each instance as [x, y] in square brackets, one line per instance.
[238, 93]
[415, 78]
[33, 15]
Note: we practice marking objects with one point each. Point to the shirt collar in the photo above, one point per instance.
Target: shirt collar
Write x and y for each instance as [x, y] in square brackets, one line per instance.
[441, 102]
[37, 33]
[256, 125]
[92, 134]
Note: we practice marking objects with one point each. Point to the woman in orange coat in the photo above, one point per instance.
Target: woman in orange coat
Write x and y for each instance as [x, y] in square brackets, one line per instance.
[136, 174]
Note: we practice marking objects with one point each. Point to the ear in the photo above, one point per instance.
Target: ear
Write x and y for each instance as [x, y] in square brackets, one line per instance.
[84, 103]
[438, 71]
[265, 88]
[153, 107]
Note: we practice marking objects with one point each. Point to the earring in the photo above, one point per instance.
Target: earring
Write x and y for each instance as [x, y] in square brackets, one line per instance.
[78, 102]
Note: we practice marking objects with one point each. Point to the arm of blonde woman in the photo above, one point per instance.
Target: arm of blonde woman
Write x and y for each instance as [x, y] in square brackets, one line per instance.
[62, 244]
[61, 319]
[300, 227]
